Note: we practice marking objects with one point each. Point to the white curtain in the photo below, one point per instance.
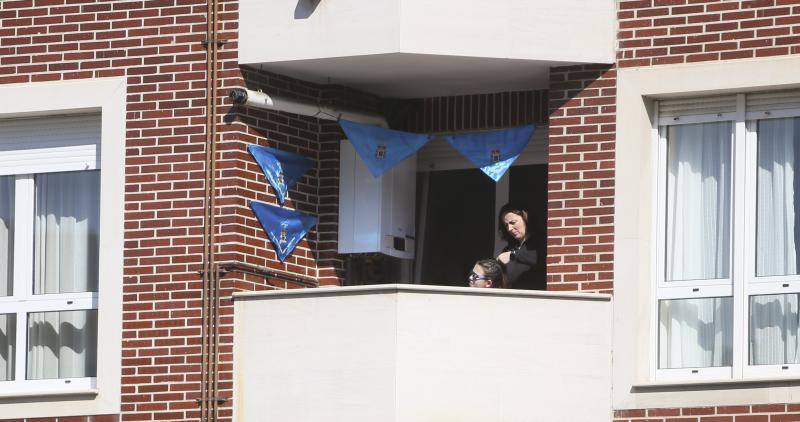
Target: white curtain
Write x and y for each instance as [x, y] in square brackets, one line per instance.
[698, 201]
[66, 232]
[774, 329]
[695, 333]
[776, 246]
[7, 321]
[63, 344]
[7, 339]
[6, 234]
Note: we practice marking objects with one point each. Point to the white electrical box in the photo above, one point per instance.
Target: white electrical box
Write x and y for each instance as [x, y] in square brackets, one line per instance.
[376, 214]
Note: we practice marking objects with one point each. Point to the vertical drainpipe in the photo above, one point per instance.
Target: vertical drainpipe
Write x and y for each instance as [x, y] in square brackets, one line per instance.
[210, 303]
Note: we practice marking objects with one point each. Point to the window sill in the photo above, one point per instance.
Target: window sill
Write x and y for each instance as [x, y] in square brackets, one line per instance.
[706, 384]
[49, 393]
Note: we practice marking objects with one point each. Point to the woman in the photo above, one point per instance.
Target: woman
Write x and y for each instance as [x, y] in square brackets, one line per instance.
[487, 273]
[519, 256]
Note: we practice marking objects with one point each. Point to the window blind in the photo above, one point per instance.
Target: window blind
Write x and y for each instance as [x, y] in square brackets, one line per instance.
[49, 144]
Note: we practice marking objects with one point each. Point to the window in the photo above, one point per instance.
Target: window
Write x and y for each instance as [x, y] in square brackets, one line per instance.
[78, 128]
[49, 254]
[727, 284]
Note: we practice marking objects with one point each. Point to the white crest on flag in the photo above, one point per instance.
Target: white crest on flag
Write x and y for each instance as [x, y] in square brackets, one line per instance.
[380, 152]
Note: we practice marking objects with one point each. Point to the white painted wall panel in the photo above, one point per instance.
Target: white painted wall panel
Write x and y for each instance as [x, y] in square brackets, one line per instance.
[495, 358]
[411, 353]
[565, 30]
[423, 48]
[282, 30]
[298, 360]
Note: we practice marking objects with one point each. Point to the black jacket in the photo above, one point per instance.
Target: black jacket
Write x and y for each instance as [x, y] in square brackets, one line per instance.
[522, 268]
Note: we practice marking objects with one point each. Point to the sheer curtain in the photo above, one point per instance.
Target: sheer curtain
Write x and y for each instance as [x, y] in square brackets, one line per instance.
[774, 318]
[776, 250]
[7, 321]
[6, 234]
[7, 338]
[63, 344]
[773, 329]
[697, 332]
[66, 232]
[698, 201]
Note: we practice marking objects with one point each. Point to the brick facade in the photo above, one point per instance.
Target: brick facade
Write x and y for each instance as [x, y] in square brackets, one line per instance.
[656, 32]
[580, 221]
[746, 413]
[158, 46]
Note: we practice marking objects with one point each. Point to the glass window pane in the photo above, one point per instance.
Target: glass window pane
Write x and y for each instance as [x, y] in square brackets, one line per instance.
[777, 228]
[698, 201]
[695, 333]
[774, 329]
[6, 235]
[62, 344]
[8, 337]
[66, 232]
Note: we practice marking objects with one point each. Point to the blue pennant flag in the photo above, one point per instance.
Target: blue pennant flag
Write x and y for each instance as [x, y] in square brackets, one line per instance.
[493, 152]
[282, 168]
[284, 227]
[380, 148]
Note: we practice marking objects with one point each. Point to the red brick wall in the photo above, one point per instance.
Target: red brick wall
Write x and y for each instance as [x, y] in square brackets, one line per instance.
[242, 180]
[316, 193]
[580, 221]
[654, 32]
[746, 413]
[157, 46]
[99, 418]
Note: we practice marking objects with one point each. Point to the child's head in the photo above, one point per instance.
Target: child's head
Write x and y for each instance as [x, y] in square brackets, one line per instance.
[487, 273]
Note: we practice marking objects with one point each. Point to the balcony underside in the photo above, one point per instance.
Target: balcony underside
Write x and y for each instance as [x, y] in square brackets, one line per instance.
[419, 48]
[400, 75]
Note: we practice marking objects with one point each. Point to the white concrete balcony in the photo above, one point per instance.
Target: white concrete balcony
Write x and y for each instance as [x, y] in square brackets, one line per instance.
[421, 353]
[424, 48]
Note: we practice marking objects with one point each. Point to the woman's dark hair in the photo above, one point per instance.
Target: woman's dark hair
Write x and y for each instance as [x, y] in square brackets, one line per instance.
[493, 271]
[513, 209]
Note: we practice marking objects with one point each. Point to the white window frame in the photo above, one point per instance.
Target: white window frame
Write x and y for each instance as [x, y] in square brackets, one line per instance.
[43, 398]
[743, 282]
[23, 302]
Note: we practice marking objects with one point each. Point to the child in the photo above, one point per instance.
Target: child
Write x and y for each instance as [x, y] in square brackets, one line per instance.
[487, 273]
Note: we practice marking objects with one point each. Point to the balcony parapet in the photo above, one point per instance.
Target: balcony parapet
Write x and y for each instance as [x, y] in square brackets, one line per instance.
[421, 353]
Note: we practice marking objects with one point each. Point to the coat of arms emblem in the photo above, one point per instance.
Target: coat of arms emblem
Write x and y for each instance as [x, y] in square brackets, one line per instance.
[380, 152]
[495, 155]
[280, 178]
[284, 232]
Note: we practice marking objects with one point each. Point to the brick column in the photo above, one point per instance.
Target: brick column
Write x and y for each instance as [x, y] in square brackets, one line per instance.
[580, 220]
